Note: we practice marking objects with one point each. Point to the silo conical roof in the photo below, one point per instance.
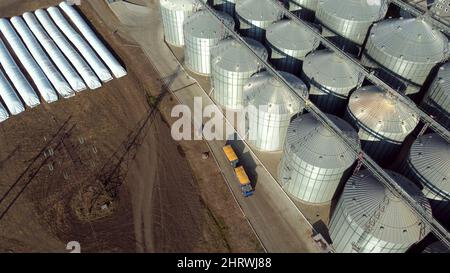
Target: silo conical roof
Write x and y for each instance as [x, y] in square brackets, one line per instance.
[429, 158]
[258, 10]
[289, 35]
[363, 197]
[263, 89]
[230, 55]
[203, 25]
[354, 10]
[381, 114]
[409, 39]
[330, 71]
[315, 144]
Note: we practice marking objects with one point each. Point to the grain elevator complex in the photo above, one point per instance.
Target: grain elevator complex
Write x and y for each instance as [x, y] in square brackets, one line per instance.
[353, 104]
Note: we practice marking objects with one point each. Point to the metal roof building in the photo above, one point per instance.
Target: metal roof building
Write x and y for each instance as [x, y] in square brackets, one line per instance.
[369, 218]
[231, 67]
[428, 164]
[404, 51]
[289, 43]
[315, 160]
[330, 80]
[382, 120]
[201, 33]
[270, 109]
[255, 16]
[437, 99]
[348, 21]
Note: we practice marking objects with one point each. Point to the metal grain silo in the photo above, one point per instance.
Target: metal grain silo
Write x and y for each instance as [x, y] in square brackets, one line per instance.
[315, 160]
[227, 6]
[255, 16]
[173, 13]
[289, 43]
[428, 164]
[437, 99]
[404, 51]
[349, 19]
[270, 108]
[231, 66]
[369, 218]
[382, 120]
[202, 31]
[436, 247]
[304, 9]
[330, 79]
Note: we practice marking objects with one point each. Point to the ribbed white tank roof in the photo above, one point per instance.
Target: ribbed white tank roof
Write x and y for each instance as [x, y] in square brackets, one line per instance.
[364, 195]
[376, 111]
[330, 70]
[203, 25]
[354, 10]
[287, 34]
[315, 144]
[258, 10]
[230, 55]
[263, 89]
[430, 159]
[410, 39]
[181, 5]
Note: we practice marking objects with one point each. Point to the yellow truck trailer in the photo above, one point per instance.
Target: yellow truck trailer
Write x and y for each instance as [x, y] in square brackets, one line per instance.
[231, 155]
[246, 186]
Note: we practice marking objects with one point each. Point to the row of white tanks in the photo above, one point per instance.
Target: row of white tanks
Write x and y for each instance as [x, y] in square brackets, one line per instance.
[315, 161]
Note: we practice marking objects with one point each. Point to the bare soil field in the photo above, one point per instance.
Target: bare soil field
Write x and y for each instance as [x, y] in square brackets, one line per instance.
[55, 158]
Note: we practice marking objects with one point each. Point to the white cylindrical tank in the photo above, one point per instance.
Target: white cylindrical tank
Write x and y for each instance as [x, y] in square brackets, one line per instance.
[315, 160]
[3, 113]
[437, 99]
[304, 9]
[49, 69]
[382, 120]
[231, 66]
[80, 44]
[289, 43]
[255, 16]
[330, 79]
[369, 218]
[16, 76]
[349, 20]
[69, 51]
[270, 108]
[173, 13]
[428, 164]
[202, 31]
[104, 53]
[12, 101]
[43, 85]
[404, 51]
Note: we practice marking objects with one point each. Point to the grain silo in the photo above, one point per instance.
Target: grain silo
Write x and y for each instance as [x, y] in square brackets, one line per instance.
[255, 16]
[289, 43]
[232, 64]
[270, 107]
[383, 122]
[348, 21]
[173, 13]
[304, 9]
[428, 164]
[436, 247]
[227, 6]
[404, 51]
[202, 31]
[315, 160]
[330, 79]
[437, 99]
[369, 218]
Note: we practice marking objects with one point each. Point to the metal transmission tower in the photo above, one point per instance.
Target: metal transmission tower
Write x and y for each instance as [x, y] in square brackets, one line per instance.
[373, 167]
[426, 15]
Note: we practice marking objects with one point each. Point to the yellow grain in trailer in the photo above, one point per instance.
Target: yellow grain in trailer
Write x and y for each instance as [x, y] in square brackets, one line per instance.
[231, 155]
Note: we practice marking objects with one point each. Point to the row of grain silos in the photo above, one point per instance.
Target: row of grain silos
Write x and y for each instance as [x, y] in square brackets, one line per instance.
[57, 59]
[315, 161]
